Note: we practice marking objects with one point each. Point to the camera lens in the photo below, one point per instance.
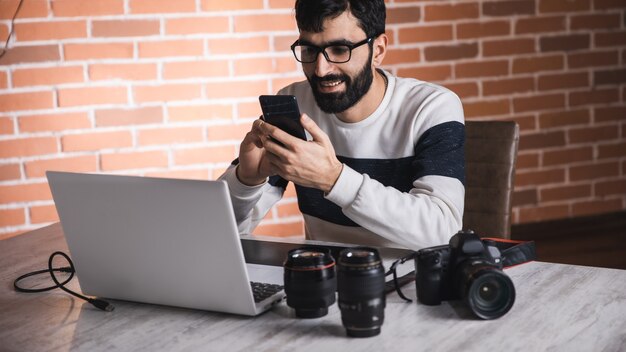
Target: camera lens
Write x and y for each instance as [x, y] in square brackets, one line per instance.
[488, 292]
[310, 282]
[361, 288]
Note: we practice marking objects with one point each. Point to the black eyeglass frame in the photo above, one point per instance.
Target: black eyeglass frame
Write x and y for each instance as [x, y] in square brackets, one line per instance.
[322, 49]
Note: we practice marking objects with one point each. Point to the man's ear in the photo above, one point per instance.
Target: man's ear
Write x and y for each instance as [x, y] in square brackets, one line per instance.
[380, 49]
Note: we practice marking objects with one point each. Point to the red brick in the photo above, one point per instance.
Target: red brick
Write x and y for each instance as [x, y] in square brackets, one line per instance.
[219, 154]
[125, 28]
[450, 12]
[219, 5]
[257, 66]
[167, 92]
[43, 214]
[264, 23]
[598, 96]
[508, 8]
[565, 193]
[597, 207]
[527, 161]
[525, 122]
[508, 86]
[594, 171]
[611, 113]
[451, 52]
[540, 24]
[227, 132]
[567, 156]
[161, 6]
[611, 187]
[38, 168]
[542, 213]
[171, 48]
[568, 42]
[613, 150]
[482, 29]
[92, 96]
[612, 38]
[131, 72]
[525, 197]
[464, 90]
[595, 21]
[538, 64]
[200, 112]
[486, 108]
[288, 209]
[400, 56]
[26, 101]
[607, 4]
[593, 59]
[232, 46]
[564, 6]
[540, 102]
[564, 118]
[29, 9]
[24, 193]
[542, 140]
[197, 25]
[563, 81]
[236, 89]
[98, 51]
[167, 136]
[508, 47]
[400, 15]
[96, 141]
[10, 172]
[129, 117]
[50, 30]
[541, 177]
[482, 69]
[47, 76]
[29, 146]
[72, 8]
[134, 160]
[592, 134]
[609, 77]
[4, 80]
[54, 122]
[7, 126]
[30, 54]
[425, 34]
[427, 73]
[12, 217]
[195, 68]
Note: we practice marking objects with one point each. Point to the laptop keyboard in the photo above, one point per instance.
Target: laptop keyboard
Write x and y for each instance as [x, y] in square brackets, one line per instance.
[262, 290]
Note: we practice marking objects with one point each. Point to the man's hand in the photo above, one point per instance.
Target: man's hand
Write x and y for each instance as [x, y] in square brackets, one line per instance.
[253, 166]
[306, 163]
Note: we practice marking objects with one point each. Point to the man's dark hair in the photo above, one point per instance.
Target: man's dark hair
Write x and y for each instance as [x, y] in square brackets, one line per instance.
[311, 14]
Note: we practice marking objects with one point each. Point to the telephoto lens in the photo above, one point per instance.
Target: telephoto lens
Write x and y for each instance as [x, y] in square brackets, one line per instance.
[361, 288]
[310, 281]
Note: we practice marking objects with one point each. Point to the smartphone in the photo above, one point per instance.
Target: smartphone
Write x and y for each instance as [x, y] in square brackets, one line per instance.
[282, 111]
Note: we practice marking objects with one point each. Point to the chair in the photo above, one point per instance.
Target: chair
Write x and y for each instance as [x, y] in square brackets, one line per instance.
[490, 155]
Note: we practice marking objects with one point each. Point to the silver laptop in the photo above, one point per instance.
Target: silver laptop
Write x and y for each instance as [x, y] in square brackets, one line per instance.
[155, 240]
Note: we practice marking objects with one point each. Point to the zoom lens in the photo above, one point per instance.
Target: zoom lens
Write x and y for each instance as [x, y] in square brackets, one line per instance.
[488, 291]
[361, 287]
[310, 281]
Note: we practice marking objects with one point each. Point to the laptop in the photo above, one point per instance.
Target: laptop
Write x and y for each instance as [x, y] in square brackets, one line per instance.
[161, 241]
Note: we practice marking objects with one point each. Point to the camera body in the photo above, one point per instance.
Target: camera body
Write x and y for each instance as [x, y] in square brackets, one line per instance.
[467, 268]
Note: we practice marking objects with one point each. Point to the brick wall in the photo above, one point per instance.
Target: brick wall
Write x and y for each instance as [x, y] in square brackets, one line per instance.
[168, 88]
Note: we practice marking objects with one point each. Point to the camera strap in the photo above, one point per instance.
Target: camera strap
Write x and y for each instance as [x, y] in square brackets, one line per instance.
[513, 253]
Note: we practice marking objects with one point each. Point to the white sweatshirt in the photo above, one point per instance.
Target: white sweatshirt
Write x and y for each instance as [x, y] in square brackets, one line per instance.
[402, 178]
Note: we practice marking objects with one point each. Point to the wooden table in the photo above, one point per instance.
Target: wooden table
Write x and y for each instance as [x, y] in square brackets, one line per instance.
[558, 308]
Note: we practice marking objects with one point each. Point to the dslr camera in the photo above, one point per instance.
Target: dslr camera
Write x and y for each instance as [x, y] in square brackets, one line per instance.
[468, 269]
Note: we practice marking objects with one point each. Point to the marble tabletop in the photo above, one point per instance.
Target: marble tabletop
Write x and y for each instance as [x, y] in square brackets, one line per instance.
[558, 308]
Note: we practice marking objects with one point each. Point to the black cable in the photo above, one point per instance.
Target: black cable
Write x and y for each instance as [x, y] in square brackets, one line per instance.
[403, 280]
[98, 303]
[6, 43]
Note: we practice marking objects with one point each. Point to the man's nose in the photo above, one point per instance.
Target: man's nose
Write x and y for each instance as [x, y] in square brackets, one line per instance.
[322, 65]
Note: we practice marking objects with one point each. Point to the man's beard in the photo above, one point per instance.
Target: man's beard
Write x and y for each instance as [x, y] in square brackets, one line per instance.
[333, 103]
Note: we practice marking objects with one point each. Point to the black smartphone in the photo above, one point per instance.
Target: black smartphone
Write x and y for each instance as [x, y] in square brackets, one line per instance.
[282, 111]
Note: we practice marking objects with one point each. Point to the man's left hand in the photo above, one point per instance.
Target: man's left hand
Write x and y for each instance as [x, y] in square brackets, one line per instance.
[306, 163]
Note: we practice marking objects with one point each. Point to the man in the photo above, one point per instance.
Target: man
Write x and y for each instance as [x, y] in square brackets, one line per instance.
[384, 165]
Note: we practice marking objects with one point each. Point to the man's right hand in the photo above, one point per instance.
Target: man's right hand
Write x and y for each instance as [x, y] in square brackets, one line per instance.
[253, 168]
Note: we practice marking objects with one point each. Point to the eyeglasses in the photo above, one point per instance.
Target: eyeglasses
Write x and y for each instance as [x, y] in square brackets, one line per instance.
[335, 53]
